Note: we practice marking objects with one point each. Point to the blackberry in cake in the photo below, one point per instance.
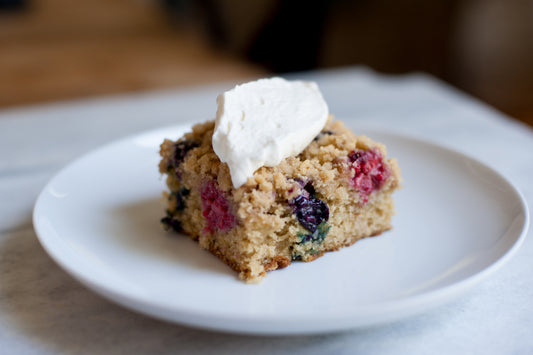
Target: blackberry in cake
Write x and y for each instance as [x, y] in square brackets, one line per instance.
[335, 191]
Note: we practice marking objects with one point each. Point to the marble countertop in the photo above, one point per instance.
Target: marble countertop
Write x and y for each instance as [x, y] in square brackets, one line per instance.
[44, 311]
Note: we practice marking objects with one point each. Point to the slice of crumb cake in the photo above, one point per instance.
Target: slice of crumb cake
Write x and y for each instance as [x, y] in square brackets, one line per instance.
[333, 193]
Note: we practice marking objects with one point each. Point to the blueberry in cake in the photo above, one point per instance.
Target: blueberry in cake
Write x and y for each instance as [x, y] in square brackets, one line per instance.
[260, 203]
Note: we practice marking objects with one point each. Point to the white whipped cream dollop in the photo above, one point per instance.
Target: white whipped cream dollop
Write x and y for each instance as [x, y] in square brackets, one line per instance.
[262, 122]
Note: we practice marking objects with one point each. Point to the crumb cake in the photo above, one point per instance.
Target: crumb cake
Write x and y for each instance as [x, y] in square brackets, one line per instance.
[335, 192]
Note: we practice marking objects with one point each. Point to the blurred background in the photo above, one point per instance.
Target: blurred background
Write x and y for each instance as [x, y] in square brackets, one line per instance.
[58, 49]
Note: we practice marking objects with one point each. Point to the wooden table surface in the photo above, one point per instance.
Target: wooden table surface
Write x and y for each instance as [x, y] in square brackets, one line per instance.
[57, 50]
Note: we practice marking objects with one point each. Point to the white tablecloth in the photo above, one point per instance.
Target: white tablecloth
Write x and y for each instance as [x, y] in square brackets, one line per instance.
[45, 311]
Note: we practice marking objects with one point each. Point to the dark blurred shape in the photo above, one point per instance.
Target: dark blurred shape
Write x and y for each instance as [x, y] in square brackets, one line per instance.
[491, 55]
[389, 36]
[291, 40]
[281, 35]
[8, 5]
[202, 14]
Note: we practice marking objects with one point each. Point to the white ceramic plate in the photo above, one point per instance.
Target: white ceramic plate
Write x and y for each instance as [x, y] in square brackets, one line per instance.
[457, 222]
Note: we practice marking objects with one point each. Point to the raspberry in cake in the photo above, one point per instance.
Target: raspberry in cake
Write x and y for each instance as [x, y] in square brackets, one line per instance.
[335, 191]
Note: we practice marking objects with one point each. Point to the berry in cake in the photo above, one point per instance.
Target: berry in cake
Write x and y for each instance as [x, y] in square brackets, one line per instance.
[259, 200]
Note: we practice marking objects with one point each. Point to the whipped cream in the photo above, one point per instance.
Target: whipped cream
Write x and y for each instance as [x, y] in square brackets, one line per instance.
[262, 122]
